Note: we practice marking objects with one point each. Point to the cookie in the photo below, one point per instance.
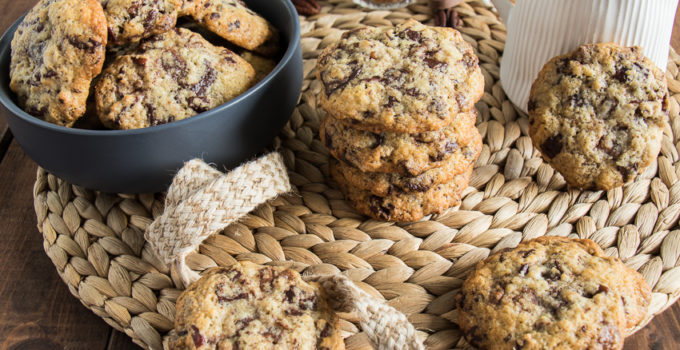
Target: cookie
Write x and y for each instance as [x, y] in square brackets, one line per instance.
[57, 50]
[169, 77]
[550, 293]
[249, 306]
[394, 152]
[409, 78]
[129, 21]
[382, 184]
[597, 114]
[262, 65]
[402, 206]
[235, 22]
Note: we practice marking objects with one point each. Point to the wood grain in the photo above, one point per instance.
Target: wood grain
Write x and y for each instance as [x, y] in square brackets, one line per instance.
[38, 312]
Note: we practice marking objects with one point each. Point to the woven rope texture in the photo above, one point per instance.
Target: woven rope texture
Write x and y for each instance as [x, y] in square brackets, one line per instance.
[96, 240]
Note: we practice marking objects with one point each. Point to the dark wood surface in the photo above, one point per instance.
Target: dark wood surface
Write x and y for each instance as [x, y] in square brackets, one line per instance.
[37, 310]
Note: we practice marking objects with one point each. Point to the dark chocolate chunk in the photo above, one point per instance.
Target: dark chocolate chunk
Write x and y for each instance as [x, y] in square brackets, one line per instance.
[197, 337]
[552, 146]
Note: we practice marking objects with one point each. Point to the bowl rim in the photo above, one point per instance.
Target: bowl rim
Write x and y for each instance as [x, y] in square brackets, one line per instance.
[13, 108]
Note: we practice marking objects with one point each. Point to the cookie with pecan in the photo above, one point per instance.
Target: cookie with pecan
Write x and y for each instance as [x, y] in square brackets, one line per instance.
[57, 50]
[249, 306]
[597, 114]
[169, 77]
[409, 78]
[551, 293]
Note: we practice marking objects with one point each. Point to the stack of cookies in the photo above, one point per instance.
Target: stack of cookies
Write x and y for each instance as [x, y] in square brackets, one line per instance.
[401, 118]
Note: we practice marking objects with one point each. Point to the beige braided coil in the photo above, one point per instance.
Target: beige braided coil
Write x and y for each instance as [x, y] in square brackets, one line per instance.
[96, 241]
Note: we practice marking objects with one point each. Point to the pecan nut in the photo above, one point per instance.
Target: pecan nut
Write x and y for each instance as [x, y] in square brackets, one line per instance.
[307, 7]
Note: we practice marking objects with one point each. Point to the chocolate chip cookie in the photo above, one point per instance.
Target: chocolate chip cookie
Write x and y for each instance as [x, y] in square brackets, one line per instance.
[169, 77]
[235, 22]
[382, 184]
[402, 206]
[597, 114]
[550, 293]
[401, 153]
[409, 78]
[132, 20]
[249, 306]
[57, 50]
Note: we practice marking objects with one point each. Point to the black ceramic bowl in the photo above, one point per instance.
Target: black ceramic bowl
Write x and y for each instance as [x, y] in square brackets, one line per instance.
[144, 160]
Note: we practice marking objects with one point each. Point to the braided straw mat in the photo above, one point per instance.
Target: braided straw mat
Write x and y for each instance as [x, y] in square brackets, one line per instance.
[96, 239]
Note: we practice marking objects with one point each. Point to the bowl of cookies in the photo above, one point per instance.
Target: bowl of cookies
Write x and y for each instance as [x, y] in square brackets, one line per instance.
[117, 95]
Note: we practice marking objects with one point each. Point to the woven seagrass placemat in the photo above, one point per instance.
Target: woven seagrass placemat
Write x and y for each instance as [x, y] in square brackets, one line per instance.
[96, 239]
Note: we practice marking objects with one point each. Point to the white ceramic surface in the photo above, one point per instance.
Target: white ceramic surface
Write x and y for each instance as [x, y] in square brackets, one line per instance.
[538, 30]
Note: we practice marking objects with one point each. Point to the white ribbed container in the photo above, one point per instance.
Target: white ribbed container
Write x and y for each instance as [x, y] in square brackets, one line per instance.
[538, 30]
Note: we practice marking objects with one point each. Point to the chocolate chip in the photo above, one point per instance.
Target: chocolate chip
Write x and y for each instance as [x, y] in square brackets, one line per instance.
[379, 140]
[523, 269]
[90, 45]
[552, 146]
[576, 101]
[138, 60]
[206, 81]
[391, 101]
[621, 75]
[473, 338]
[236, 276]
[435, 64]
[326, 331]
[308, 303]
[182, 333]
[151, 114]
[294, 312]
[416, 187]
[243, 323]
[197, 337]
[627, 173]
[215, 15]
[266, 278]
[380, 209]
[412, 34]
[328, 139]
[225, 299]
[331, 87]
[234, 25]
[602, 289]
[413, 92]
[531, 105]
[273, 333]
[470, 60]
[290, 295]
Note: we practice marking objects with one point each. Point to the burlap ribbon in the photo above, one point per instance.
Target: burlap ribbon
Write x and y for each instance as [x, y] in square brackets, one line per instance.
[202, 201]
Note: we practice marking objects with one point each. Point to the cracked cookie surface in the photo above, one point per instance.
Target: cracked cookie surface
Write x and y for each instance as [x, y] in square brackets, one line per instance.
[408, 78]
[597, 114]
[169, 77]
[551, 293]
[250, 306]
[129, 21]
[382, 184]
[235, 22]
[395, 152]
[57, 50]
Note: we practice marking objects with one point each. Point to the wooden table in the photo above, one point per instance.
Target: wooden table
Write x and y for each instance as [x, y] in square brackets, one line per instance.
[38, 312]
